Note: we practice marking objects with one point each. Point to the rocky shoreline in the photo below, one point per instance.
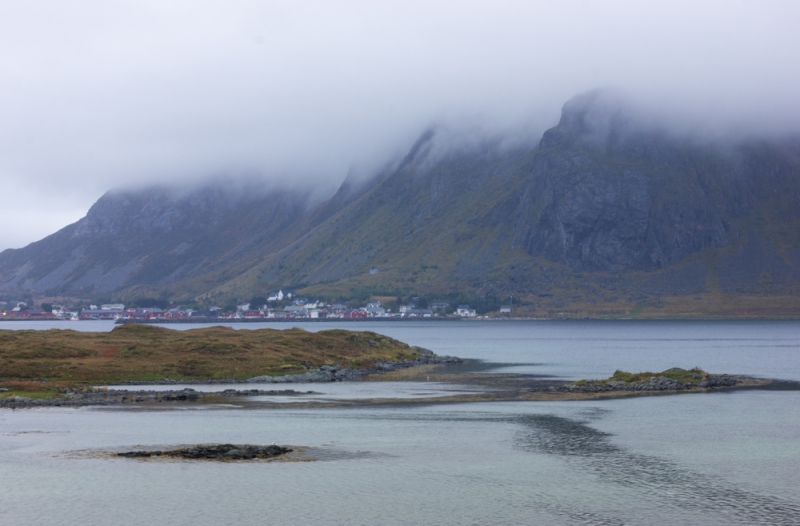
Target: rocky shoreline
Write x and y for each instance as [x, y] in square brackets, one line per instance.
[654, 383]
[621, 384]
[81, 397]
[213, 452]
[326, 373]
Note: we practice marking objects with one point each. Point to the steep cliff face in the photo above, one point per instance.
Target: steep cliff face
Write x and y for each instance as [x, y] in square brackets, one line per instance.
[445, 211]
[607, 194]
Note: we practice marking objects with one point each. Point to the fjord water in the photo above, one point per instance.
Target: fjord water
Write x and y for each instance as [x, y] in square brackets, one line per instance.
[722, 458]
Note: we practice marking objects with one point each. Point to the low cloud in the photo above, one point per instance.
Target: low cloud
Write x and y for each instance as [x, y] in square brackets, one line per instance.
[97, 95]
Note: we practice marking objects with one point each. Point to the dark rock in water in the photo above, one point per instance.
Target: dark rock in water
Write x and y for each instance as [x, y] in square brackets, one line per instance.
[185, 395]
[135, 454]
[718, 381]
[214, 452]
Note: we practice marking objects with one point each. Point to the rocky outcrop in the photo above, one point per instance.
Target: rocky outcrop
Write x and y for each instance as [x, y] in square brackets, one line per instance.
[655, 383]
[86, 397]
[336, 373]
[213, 452]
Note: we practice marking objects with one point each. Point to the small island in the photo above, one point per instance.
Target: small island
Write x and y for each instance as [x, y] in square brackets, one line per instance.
[674, 379]
[65, 367]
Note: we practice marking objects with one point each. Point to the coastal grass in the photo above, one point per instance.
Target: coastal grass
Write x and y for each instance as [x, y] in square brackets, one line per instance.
[40, 363]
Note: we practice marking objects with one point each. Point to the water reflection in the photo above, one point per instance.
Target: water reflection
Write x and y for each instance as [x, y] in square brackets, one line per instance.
[649, 476]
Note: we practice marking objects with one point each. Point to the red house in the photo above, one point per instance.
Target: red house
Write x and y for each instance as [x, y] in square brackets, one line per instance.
[34, 313]
[354, 313]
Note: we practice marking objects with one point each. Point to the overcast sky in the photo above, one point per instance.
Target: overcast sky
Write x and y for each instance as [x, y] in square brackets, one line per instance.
[95, 95]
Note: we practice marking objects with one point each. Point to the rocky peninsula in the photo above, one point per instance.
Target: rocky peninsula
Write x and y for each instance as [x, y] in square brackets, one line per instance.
[86, 395]
[37, 366]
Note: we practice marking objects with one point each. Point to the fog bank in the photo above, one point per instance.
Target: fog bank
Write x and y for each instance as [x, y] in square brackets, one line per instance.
[97, 95]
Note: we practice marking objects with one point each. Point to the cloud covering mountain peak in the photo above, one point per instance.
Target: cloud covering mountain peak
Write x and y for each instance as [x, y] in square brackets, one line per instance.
[99, 95]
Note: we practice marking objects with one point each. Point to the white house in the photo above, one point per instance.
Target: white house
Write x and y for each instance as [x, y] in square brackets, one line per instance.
[374, 308]
[465, 311]
[298, 310]
[305, 302]
[505, 309]
[278, 296]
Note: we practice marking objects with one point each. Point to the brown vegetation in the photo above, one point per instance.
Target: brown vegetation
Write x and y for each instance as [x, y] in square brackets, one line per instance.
[34, 360]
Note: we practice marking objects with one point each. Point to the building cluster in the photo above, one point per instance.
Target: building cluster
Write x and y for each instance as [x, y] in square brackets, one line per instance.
[299, 308]
[292, 307]
[302, 308]
[22, 310]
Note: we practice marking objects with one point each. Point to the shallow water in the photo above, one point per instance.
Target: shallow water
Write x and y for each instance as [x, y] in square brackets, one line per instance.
[722, 458]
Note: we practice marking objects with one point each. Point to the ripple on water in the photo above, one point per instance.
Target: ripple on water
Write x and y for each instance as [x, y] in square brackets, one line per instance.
[649, 476]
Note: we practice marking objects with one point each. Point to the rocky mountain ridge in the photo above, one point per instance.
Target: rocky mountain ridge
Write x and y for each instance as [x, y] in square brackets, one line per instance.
[601, 208]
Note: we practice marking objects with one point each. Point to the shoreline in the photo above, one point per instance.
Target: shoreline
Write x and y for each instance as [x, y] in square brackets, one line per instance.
[324, 374]
[154, 400]
[278, 321]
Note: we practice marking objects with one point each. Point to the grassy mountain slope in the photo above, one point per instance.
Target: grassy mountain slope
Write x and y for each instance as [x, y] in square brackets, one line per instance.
[432, 222]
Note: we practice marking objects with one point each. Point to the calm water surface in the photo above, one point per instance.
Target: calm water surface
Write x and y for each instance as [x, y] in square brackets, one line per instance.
[723, 458]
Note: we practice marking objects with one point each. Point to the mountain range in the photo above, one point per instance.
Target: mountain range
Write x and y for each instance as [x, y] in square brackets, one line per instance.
[604, 215]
